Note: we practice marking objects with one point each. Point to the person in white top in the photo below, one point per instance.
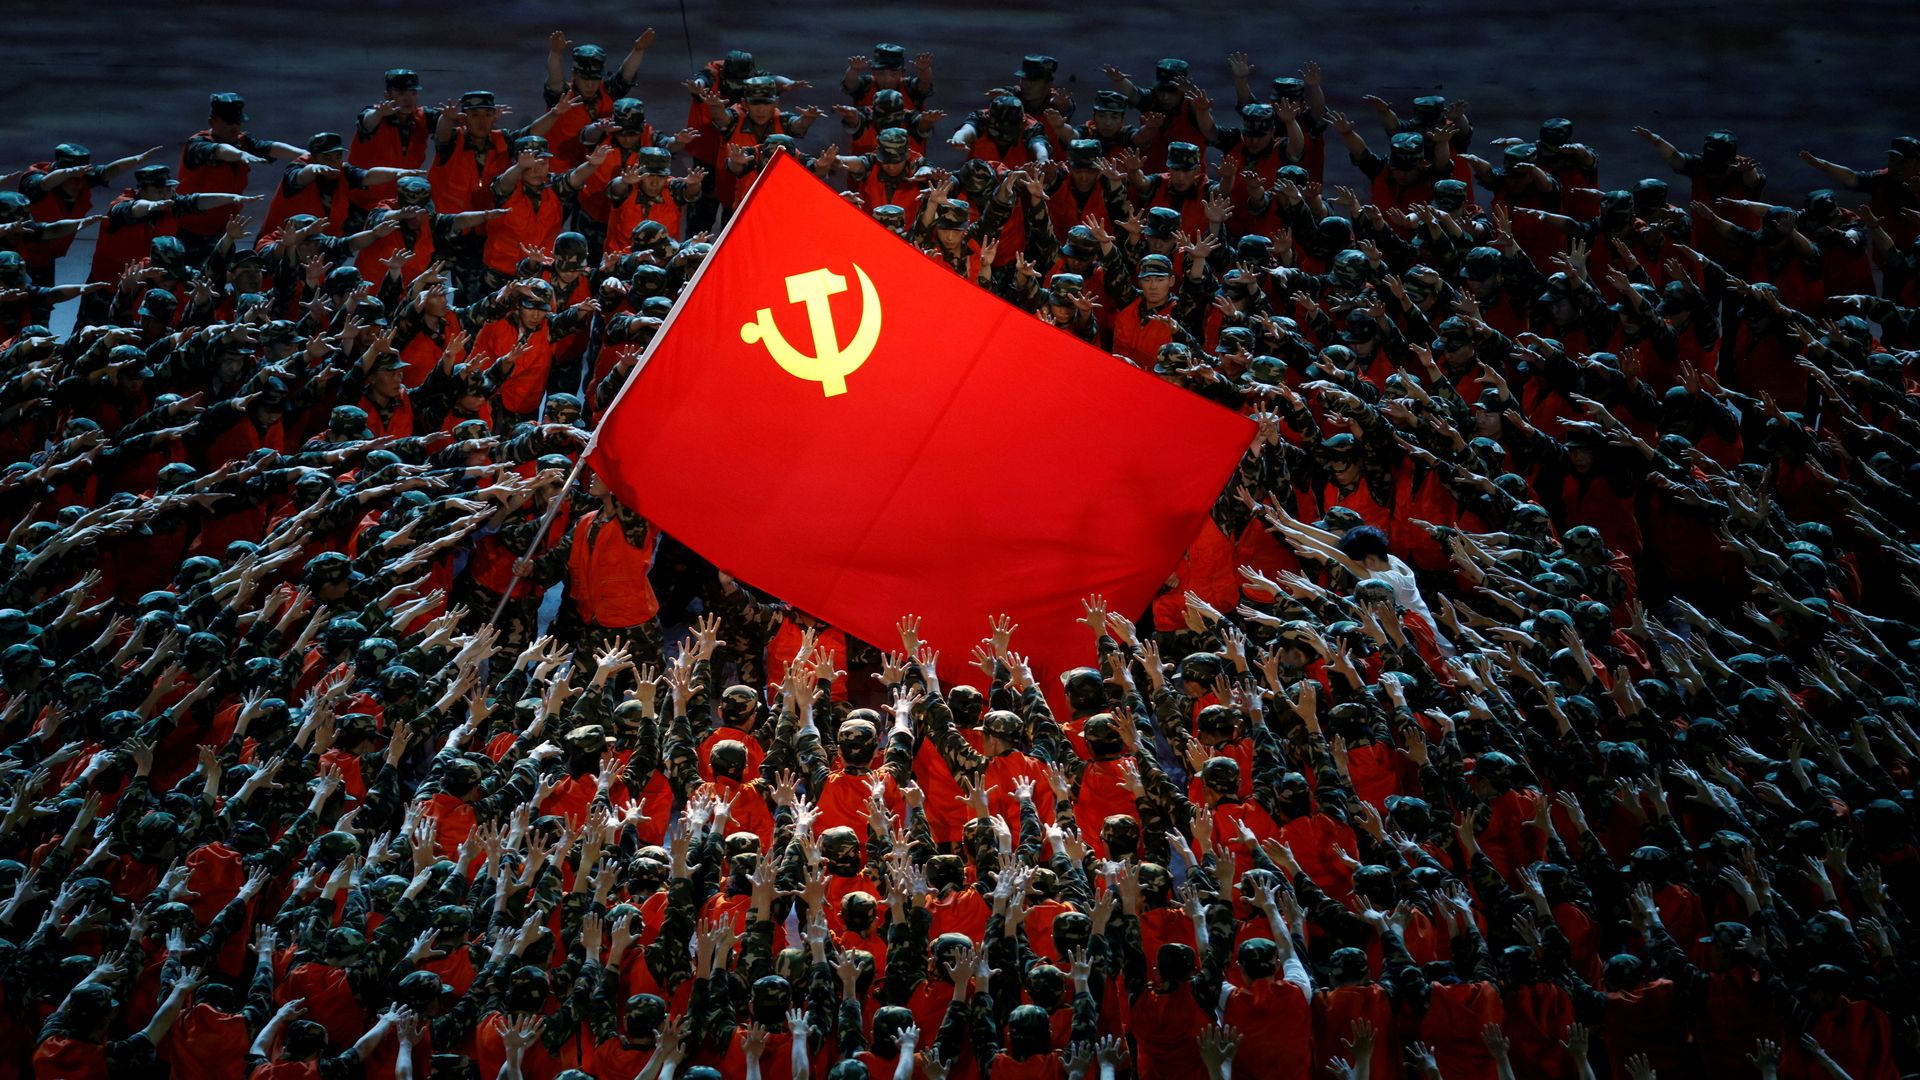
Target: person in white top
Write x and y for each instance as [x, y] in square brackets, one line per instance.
[1363, 552]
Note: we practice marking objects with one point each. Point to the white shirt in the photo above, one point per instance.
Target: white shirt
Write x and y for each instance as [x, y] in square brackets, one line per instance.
[1406, 593]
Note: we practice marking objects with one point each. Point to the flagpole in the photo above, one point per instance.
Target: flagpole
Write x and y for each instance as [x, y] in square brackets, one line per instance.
[679, 302]
[539, 536]
[593, 434]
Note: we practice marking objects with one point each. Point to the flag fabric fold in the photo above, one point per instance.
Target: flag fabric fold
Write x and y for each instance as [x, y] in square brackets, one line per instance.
[834, 417]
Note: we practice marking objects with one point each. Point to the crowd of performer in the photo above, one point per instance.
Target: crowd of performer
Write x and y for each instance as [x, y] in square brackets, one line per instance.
[1535, 702]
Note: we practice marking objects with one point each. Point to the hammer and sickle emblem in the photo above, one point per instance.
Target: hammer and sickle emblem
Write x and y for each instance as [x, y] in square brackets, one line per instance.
[830, 364]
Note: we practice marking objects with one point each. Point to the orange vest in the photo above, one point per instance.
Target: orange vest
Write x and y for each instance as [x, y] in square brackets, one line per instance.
[1257, 547]
[1316, 837]
[946, 817]
[593, 196]
[1101, 796]
[786, 645]
[1388, 193]
[524, 224]
[1592, 500]
[1265, 165]
[655, 800]
[323, 198]
[1536, 1017]
[705, 148]
[52, 205]
[330, 1001]
[454, 818]
[242, 439]
[206, 1044]
[522, 391]
[117, 246]
[1192, 205]
[1276, 1022]
[1138, 339]
[422, 350]
[627, 214]
[389, 147]
[703, 756]
[490, 1051]
[746, 812]
[879, 189]
[63, 1058]
[1215, 572]
[1456, 1013]
[1229, 816]
[400, 423]
[1209, 568]
[964, 912]
[1002, 772]
[1361, 501]
[570, 799]
[844, 798]
[228, 177]
[372, 260]
[215, 872]
[613, 1058]
[726, 186]
[1433, 502]
[984, 148]
[1067, 208]
[491, 566]
[460, 183]
[1334, 1012]
[1045, 1066]
[564, 136]
[1166, 1029]
[607, 576]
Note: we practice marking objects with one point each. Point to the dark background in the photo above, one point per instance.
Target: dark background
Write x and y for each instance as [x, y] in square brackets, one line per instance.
[1837, 78]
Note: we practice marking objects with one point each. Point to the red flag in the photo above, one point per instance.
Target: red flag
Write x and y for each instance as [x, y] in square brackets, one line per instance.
[840, 420]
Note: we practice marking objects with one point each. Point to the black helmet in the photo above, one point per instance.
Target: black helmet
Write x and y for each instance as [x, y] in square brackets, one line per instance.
[840, 847]
[421, 988]
[1005, 112]
[858, 738]
[1029, 1031]
[1259, 957]
[21, 659]
[646, 1013]
[728, 758]
[1215, 720]
[569, 251]
[375, 653]
[399, 681]
[1102, 733]
[739, 704]
[1200, 667]
[1221, 774]
[1481, 264]
[195, 570]
[1004, 725]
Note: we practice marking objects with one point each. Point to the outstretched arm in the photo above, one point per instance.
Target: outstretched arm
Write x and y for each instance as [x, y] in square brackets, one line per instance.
[1845, 177]
[1666, 148]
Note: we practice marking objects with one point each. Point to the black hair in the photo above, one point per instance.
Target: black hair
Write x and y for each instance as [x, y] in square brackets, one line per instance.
[1362, 541]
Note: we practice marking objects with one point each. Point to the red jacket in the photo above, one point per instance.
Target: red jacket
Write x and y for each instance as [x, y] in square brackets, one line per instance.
[1334, 1012]
[1275, 1020]
[1456, 1014]
[1166, 1032]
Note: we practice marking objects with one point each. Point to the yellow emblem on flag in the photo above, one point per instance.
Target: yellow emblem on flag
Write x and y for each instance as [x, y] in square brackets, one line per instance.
[830, 364]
